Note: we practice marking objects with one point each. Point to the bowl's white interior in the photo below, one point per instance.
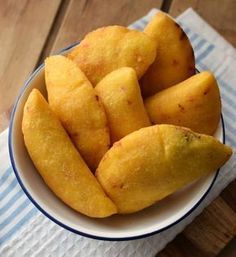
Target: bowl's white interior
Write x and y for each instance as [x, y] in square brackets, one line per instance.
[149, 220]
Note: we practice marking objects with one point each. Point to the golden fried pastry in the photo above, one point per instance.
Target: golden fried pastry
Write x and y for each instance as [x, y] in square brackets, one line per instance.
[58, 161]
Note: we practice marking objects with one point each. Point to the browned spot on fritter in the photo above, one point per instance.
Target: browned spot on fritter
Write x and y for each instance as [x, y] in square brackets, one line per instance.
[181, 107]
[187, 134]
[196, 136]
[121, 185]
[175, 62]
[96, 97]
[118, 185]
[129, 102]
[191, 98]
[186, 137]
[206, 91]
[192, 136]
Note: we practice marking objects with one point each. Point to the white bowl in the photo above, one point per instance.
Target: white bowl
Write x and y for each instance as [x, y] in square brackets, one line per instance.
[157, 218]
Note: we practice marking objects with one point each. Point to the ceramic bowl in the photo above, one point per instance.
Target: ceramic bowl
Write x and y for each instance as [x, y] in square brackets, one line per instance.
[157, 218]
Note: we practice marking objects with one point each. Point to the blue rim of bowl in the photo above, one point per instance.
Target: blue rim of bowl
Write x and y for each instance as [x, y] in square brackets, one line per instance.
[59, 222]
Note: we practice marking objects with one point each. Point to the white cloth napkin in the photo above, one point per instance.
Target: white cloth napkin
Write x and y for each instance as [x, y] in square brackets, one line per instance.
[24, 231]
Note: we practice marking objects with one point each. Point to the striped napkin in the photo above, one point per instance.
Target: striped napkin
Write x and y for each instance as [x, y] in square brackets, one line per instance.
[24, 231]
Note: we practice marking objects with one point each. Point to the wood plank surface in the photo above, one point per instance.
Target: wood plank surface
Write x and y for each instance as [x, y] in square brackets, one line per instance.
[82, 16]
[206, 235]
[219, 14]
[23, 33]
[181, 247]
[229, 195]
[27, 37]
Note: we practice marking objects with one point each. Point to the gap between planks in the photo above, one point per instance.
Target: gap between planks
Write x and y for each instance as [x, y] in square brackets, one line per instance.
[62, 10]
[84, 8]
[165, 7]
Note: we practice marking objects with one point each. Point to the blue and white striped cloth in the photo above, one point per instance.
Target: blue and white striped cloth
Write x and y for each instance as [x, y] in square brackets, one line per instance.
[24, 231]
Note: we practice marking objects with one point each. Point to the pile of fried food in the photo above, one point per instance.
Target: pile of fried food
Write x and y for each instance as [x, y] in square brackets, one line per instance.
[127, 122]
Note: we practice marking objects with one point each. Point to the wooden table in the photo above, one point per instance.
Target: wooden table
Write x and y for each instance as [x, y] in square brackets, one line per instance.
[31, 30]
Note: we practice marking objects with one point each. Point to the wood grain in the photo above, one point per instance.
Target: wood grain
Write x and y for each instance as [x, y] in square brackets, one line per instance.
[214, 228]
[23, 32]
[229, 195]
[181, 247]
[219, 14]
[207, 235]
[83, 16]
